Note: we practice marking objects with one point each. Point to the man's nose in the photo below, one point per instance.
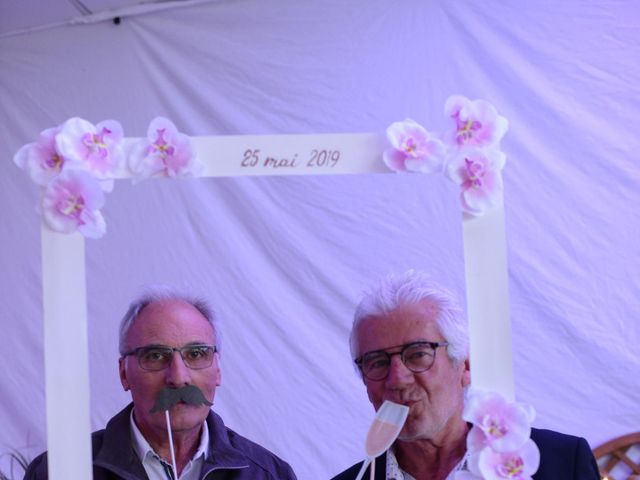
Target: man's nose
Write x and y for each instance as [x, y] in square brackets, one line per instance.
[399, 374]
[177, 373]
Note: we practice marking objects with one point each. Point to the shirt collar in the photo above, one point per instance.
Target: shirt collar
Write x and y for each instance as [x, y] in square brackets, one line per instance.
[142, 447]
[394, 472]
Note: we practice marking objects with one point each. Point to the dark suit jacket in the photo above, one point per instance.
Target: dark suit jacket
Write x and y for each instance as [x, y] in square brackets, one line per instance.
[562, 457]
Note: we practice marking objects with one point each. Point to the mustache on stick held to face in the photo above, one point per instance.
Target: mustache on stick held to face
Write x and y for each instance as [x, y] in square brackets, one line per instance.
[189, 394]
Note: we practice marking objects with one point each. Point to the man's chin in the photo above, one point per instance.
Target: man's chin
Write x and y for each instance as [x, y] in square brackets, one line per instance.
[182, 413]
[411, 432]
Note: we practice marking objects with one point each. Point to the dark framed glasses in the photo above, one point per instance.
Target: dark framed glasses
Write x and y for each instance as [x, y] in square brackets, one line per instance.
[416, 356]
[158, 357]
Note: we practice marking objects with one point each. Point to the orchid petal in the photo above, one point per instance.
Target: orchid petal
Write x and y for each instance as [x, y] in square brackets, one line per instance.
[530, 411]
[505, 424]
[96, 149]
[394, 159]
[477, 171]
[476, 439]
[413, 148]
[475, 122]
[40, 159]
[477, 201]
[165, 152]
[71, 202]
[517, 465]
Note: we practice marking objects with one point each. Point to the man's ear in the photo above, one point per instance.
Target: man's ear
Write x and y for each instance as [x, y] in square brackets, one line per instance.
[218, 371]
[122, 369]
[466, 373]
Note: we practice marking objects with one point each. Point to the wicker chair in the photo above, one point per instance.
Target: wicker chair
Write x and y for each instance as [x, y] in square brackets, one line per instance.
[619, 459]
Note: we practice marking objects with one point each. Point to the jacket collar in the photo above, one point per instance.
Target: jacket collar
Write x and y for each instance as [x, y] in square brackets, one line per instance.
[117, 453]
[221, 455]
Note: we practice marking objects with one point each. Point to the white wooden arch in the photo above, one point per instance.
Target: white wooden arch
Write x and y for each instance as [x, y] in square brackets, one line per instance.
[63, 264]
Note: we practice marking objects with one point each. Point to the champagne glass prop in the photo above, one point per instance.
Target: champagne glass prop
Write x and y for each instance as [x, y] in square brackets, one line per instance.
[384, 430]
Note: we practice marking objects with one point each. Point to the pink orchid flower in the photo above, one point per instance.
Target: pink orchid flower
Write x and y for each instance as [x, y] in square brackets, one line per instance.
[165, 152]
[414, 149]
[502, 425]
[517, 465]
[95, 148]
[40, 159]
[475, 123]
[72, 201]
[478, 174]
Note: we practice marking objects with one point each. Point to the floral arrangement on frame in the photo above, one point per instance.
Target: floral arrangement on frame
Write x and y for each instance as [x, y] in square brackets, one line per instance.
[498, 444]
[75, 163]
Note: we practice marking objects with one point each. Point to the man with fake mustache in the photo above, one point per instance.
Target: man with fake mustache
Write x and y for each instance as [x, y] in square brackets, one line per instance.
[169, 361]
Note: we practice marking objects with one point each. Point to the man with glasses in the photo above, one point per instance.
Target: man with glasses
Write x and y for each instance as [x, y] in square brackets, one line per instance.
[171, 342]
[409, 341]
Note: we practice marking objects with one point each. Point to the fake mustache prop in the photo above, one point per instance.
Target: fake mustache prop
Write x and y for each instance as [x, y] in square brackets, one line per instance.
[167, 398]
[189, 394]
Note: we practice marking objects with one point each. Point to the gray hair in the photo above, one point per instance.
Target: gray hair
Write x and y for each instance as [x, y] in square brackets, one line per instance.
[408, 288]
[158, 293]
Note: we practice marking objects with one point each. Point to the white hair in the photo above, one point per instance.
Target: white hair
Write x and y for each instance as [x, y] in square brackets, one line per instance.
[409, 288]
[158, 293]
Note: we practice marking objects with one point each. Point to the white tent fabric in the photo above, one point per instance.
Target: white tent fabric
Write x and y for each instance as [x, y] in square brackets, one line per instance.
[284, 259]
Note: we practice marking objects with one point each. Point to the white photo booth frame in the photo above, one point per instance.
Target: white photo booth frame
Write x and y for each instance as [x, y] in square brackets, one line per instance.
[63, 270]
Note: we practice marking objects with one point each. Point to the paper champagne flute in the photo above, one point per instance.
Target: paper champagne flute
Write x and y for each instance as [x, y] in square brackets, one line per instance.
[385, 428]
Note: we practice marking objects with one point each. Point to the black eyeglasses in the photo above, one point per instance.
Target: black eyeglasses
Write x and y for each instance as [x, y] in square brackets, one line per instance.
[158, 357]
[416, 356]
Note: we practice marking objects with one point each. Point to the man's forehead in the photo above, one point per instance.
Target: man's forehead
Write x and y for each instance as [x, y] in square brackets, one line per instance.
[415, 319]
[169, 315]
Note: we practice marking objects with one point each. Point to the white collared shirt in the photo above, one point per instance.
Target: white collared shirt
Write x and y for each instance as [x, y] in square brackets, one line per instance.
[394, 472]
[159, 469]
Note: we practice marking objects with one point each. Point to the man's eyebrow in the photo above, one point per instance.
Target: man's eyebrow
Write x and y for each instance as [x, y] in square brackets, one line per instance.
[155, 345]
[188, 344]
[413, 342]
[373, 351]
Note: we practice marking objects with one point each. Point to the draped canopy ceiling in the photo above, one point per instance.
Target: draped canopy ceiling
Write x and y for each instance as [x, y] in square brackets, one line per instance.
[284, 259]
